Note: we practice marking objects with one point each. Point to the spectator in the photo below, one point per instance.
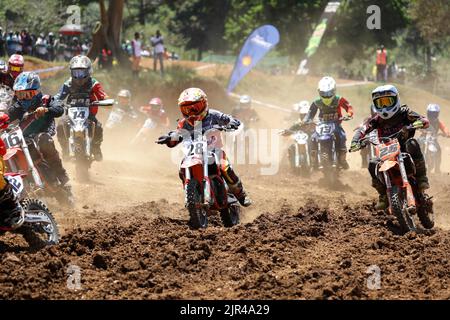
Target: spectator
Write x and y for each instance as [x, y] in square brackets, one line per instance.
[158, 53]
[85, 47]
[166, 54]
[19, 43]
[381, 63]
[136, 48]
[76, 47]
[51, 46]
[27, 42]
[41, 47]
[106, 58]
[11, 43]
[2, 43]
[68, 51]
[60, 48]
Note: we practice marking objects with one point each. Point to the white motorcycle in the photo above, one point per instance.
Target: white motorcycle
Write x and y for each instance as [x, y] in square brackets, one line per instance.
[81, 135]
[298, 152]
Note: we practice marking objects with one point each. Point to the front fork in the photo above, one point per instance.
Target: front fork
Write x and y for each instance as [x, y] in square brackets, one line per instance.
[36, 177]
[405, 185]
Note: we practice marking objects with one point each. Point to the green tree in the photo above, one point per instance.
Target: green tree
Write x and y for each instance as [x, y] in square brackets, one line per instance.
[200, 23]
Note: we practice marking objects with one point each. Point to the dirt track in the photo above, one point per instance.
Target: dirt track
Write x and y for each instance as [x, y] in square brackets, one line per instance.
[300, 240]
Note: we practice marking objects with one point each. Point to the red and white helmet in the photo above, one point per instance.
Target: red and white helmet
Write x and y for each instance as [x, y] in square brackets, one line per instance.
[15, 65]
[193, 104]
[156, 102]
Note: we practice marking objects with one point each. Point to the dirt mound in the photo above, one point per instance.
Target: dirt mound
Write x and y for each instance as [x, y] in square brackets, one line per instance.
[312, 252]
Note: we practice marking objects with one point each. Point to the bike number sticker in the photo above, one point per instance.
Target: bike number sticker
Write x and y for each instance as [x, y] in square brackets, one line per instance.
[325, 130]
[16, 183]
[385, 151]
[79, 115]
[14, 140]
[198, 148]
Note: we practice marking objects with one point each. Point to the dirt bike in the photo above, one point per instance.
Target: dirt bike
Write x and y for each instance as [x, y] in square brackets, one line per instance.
[6, 97]
[396, 170]
[81, 134]
[205, 189]
[328, 159]
[430, 146]
[118, 116]
[299, 158]
[38, 226]
[39, 177]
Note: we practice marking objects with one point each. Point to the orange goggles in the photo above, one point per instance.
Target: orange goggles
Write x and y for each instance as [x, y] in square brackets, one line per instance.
[384, 102]
[26, 94]
[192, 109]
[15, 68]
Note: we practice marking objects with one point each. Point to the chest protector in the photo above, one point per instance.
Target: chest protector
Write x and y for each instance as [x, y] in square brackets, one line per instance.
[79, 96]
[331, 112]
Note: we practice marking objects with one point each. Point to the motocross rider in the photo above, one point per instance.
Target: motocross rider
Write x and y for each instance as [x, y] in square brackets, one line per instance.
[392, 117]
[330, 108]
[436, 125]
[300, 110]
[365, 151]
[124, 103]
[15, 68]
[244, 111]
[156, 117]
[193, 105]
[11, 213]
[155, 111]
[83, 89]
[29, 98]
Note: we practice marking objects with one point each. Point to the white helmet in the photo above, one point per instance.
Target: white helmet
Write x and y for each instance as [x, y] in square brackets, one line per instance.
[80, 69]
[124, 93]
[302, 107]
[327, 89]
[386, 101]
[245, 101]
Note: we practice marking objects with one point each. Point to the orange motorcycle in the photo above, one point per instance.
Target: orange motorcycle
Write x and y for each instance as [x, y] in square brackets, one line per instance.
[396, 170]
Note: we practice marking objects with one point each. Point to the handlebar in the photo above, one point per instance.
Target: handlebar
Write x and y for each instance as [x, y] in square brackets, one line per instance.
[366, 140]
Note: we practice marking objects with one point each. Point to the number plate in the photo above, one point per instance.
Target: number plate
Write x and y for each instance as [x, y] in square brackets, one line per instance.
[78, 113]
[16, 182]
[385, 152]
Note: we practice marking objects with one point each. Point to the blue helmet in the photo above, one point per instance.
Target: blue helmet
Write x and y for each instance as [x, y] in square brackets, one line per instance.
[433, 111]
[27, 89]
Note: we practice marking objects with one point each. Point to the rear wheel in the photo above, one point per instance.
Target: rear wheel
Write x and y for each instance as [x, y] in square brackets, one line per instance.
[198, 215]
[400, 210]
[230, 215]
[425, 212]
[39, 234]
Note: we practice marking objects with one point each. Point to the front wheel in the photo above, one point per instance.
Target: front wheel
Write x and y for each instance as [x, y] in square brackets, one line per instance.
[82, 165]
[230, 215]
[399, 208]
[198, 215]
[38, 234]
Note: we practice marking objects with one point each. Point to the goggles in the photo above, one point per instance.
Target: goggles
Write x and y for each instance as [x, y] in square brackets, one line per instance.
[384, 102]
[26, 94]
[192, 109]
[16, 68]
[79, 73]
[327, 94]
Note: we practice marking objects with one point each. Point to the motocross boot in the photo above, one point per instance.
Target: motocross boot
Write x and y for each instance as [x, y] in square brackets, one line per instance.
[11, 212]
[421, 175]
[382, 203]
[342, 160]
[314, 160]
[239, 192]
[97, 152]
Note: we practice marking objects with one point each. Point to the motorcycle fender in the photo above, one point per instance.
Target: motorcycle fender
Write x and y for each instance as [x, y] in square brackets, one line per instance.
[325, 137]
[387, 165]
[11, 152]
[191, 161]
